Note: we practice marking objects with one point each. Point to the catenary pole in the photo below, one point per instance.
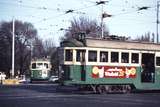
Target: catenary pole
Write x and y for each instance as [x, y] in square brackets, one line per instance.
[157, 24]
[13, 46]
[102, 29]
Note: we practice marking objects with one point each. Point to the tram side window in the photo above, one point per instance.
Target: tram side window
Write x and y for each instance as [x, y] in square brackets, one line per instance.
[135, 58]
[158, 61]
[103, 56]
[39, 65]
[92, 56]
[45, 65]
[125, 57]
[33, 65]
[114, 57]
[68, 55]
[80, 55]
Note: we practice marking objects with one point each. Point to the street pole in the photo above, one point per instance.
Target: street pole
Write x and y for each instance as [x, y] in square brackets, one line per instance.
[102, 32]
[31, 50]
[157, 22]
[101, 2]
[13, 47]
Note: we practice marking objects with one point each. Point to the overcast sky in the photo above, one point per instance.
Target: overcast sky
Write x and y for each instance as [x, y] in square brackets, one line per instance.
[48, 16]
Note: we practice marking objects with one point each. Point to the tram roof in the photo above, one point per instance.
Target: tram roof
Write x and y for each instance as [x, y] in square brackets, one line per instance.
[132, 45]
[40, 60]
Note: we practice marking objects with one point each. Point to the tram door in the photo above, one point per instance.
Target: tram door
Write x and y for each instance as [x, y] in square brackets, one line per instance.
[81, 58]
[148, 68]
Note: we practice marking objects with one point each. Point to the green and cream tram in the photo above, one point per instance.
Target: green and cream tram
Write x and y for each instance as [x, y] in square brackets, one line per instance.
[105, 64]
[40, 70]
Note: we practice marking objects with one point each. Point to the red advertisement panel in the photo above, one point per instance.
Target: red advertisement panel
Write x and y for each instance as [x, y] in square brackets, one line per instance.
[113, 72]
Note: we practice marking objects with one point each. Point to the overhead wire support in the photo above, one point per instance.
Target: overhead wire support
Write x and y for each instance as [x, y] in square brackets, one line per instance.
[100, 2]
[143, 8]
[69, 11]
[13, 47]
[102, 20]
[102, 16]
[157, 21]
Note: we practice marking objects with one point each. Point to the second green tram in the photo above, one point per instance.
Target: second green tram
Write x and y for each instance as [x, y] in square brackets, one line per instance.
[40, 70]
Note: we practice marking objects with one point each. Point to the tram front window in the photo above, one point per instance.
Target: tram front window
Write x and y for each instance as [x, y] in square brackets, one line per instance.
[80, 56]
[33, 65]
[92, 56]
[45, 65]
[68, 55]
[39, 65]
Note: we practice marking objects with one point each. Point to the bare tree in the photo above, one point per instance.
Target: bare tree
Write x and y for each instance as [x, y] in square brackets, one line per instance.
[51, 52]
[49, 47]
[38, 51]
[24, 34]
[147, 37]
[84, 25]
[55, 62]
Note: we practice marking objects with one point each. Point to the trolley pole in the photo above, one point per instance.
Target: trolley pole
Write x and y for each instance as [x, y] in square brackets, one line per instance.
[13, 47]
[157, 22]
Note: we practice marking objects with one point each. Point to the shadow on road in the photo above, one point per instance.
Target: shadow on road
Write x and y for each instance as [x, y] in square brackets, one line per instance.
[42, 88]
[56, 88]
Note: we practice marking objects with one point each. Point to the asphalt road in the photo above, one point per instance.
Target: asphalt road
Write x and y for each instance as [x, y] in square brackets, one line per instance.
[45, 95]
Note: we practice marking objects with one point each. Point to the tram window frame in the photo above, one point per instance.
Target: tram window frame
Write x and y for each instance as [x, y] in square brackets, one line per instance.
[103, 56]
[158, 61]
[68, 55]
[34, 66]
[39, 65]
[124, 57]
[93, 57]
[114, 57]
[46, 65]
[134, 59]
[80, 57]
